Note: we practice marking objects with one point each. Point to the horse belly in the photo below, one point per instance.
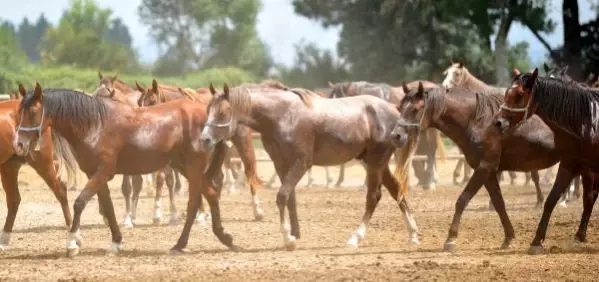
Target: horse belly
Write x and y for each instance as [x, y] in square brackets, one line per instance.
[334, 152]
[136, 161]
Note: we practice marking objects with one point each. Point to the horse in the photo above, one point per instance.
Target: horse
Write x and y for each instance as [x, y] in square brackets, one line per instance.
[241, 138]
[135, 181]
[107, 140]
[430, 140]
[132, 185]
[458, 75]
[467, 118]
[299, 129]
[570, 111]
[41, 160]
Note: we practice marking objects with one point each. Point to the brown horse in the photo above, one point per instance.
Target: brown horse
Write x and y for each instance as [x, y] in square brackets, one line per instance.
[108, 140]
[457, 75]
[570, 111]
[467, 118]
[132, 185]
[41, 160]
[241, 138]
[430, 140]
[300, 129]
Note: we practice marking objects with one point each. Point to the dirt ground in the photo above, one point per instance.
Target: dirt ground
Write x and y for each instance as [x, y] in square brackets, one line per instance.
[327, 219]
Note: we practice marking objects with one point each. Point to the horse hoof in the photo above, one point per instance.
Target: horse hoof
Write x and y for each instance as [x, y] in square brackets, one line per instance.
[291, 246]
[353, 242]
[156, 220]
[536, 250]
[2, 248]
[579, 238]
[114, 248]
[430, 187]
[128, 222]
[506, 246]
[72, 252]
[563, 204]
[178, 251]
[173, 221]
[449, 247]
[259, 216]
[413, 242]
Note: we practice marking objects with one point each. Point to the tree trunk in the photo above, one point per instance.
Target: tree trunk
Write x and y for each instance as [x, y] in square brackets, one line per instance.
[501, 58]
[572, 50]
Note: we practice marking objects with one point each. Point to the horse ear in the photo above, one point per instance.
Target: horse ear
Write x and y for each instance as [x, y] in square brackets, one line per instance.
[516, 72]
[112, 93]
[226, 90]
[154, 86]
[420, 93]
[38, 93]
[212, 90]
[564, 70]
[139, 88]
[405, 88]
[546, 67]
[460, 64]
[114, 78]
[22, 90]
[531, 81]
[100, 76]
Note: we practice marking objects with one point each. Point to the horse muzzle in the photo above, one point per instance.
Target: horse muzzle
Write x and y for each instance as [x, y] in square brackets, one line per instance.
[502, 124]
[399, 139]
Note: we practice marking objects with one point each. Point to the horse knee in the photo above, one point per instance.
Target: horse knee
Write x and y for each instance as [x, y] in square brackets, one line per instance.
[282, 198]
[79, 205]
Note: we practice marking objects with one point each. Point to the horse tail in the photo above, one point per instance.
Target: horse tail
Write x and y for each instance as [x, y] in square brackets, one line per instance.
[441, 152]
[66, 159]
[403, 159]
[251, 170]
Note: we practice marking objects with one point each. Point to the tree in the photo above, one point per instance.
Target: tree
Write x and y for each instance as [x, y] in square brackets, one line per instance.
[313, 68]
[80, 40]
[206, 33]
[30, 36]
[12, 58]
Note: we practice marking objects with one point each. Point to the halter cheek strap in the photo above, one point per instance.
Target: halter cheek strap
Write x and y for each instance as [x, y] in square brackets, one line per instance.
[32, 129]
[412, 124]
[519, 110]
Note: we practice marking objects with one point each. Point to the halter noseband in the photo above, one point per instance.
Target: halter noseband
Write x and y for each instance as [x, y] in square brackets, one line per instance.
[413, 124]
[519, 110]
[32, 129]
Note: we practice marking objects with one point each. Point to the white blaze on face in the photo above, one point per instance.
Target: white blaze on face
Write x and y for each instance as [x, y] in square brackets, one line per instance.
[449, 78]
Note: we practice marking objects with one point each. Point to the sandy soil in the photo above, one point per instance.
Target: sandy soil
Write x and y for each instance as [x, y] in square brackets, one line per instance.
[327, 218]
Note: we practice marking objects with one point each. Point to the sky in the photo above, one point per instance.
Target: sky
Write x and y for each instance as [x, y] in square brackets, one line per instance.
[278, 26]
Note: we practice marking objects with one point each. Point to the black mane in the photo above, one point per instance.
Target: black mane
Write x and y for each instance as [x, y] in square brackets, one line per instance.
[69, 105]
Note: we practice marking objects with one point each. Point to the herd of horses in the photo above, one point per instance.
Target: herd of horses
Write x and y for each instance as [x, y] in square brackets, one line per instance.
[164, 130]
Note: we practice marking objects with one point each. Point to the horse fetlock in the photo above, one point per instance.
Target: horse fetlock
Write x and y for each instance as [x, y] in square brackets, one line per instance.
[202, 218]
[113, 248]
[5, 239]
[290, 243]
[450, 246]
[173, 219]
[128, 222]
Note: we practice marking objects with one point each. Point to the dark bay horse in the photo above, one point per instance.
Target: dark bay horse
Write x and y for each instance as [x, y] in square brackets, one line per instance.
[107, 140]
[570, 110]
[300, 129]
[241, 138]
[430, 140]
[457, 75]
[467, 118]
[41, 160]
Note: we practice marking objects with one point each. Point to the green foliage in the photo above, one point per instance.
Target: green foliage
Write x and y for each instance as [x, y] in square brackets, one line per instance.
[79, 40]
[313, 68]
[30, 36]
[200, 34]
[87, 79]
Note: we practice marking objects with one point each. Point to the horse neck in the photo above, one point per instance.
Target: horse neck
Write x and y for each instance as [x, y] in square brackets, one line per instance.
[123, 88]
[474, 84]
[454, 121]
[263, 113]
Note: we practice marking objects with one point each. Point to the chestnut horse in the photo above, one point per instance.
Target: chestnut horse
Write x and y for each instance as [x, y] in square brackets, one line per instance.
[570, 111]
[300, 129]
[134, 184]
[41, 160]
[457, 75]
[430, 140]
[467, 118]
[108, 139]
[241, 138]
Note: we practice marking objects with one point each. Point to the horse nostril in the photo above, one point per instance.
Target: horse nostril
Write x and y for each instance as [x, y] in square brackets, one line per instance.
[498, 124]
[206, 141]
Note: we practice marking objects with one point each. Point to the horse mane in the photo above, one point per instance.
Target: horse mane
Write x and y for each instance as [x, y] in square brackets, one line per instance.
[304, 94]
[570, 106]
[486, 104]
[72, 106]
[189, 93]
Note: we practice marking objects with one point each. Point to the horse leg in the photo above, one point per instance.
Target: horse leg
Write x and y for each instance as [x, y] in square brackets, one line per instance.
[271, 180]
[137, 183]
[467, 173]
[126, 189]
[95, 184]
[149, 183]
[245, 148]
[474, 184]
[547, 177]
[202, 214]
[590, 192]
[44, 166]
[9, 174]
[374, 176]
[534, 174]
[456, 171]
[419, 172]
[365, 184]
[178, 185]
[310, 179]
[328, 177]
[527, 177]
[430, 183]
[391, 184]
[194, 199]
[341, 176]
[492, 186]
[170, 179]
[290, 176]
[157, 218]
[577, 181]
[562, 181]
[513, 177]
[239, 177]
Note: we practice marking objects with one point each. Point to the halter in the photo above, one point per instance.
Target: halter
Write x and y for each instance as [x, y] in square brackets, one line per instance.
[413, 124]
[460, 81]
[519, 110]
[32, 129]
